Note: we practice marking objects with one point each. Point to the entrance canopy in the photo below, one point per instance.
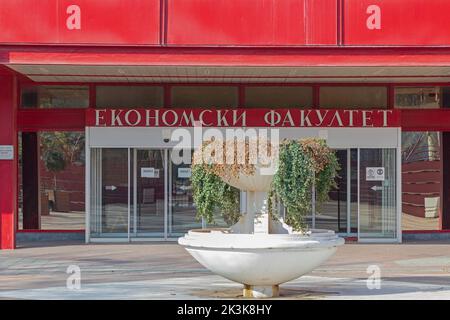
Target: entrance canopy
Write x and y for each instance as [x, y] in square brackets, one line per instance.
[229, 65]
[185, 65]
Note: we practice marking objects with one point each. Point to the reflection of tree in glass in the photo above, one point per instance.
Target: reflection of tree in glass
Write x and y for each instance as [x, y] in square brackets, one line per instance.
[59, 149]
[420, 146]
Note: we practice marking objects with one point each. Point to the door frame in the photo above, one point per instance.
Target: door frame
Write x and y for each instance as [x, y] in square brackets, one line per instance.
[348, 213]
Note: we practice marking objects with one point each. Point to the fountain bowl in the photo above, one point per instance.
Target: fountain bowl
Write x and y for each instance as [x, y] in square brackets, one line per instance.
[260, 261]
[257, 251]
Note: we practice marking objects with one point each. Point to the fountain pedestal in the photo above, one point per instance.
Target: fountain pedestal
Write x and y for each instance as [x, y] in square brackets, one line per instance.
[261, 291]
[257, 204]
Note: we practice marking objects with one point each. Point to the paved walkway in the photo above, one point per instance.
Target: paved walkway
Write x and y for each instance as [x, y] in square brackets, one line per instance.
[166, 271]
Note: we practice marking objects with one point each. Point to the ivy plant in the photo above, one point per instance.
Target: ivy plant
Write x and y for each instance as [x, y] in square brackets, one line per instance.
[302, 165]
[211, 193]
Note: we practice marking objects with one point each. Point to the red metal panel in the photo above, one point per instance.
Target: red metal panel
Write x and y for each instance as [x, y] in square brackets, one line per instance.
[426, 120]
[51, 119]
[270, 57]
[231, 57]
[119, 22]
[226, 22]
[113, 22]
[236, 22]
[321, 22]
[28, 21]
[412, 22]
[8, 168]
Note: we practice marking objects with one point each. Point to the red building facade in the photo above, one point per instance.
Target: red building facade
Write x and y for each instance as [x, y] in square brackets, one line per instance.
[60, 58]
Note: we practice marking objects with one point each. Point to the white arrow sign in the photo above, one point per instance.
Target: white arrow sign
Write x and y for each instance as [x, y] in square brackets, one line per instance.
[377, 188]
[111, 188]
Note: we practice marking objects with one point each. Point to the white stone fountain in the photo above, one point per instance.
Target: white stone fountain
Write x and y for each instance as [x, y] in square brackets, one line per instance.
[257, 251]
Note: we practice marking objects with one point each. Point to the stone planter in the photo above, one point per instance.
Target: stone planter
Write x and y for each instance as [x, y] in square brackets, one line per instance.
[258, 252]
[261, 262]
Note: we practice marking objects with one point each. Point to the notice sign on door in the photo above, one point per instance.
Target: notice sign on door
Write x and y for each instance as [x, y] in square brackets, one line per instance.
[184, 172]
[149, 173]
[6, 152]
[375, 174]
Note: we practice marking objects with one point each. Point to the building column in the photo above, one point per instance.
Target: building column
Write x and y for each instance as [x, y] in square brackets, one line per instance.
[8, 167]
[30, 181]
[445, 158]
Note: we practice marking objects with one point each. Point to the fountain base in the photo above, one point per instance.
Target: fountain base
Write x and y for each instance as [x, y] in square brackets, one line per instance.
[258, 292]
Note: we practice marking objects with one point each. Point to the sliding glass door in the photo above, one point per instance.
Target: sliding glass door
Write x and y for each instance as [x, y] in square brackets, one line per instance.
[340, 212]
[149, 196]
[109, 199]
[182, 211]
[333, 214]
[139, 193]
[378, 199]
[142, 193]
[365, 200]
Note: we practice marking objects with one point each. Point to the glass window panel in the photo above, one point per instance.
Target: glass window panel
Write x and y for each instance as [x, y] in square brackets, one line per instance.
[418, 97]
[55, 96]
[129, 96]
[60, 168]
[278, 97]
[332, 214]
[421, 180]
[207, 97]
[353, 97]
[182, 210]
[445, 97]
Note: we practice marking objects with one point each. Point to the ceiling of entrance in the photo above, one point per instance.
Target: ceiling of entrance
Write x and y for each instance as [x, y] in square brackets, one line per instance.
[254, 74]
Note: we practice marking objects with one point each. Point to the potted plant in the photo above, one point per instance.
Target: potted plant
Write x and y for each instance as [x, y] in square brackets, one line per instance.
[305, 167]
[263, 249]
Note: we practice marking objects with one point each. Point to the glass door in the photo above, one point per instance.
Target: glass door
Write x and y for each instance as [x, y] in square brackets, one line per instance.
[182, 211]
[340, 212]
[139, 193]
[377, 194]
[150, 196]
[333, 214]
[109, 199]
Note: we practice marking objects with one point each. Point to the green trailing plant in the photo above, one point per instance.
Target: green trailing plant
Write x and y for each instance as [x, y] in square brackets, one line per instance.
[211, 193]
[302, 165]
